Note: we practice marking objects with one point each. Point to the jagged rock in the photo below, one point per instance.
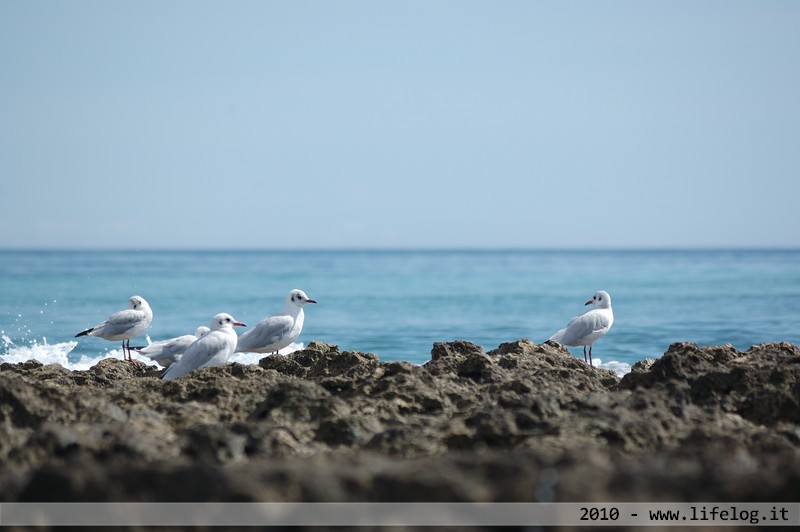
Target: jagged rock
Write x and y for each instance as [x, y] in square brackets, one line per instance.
[520, 422]
[761, 384]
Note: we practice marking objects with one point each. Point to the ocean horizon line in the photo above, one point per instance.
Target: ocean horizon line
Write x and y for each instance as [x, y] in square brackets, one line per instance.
[403, 249]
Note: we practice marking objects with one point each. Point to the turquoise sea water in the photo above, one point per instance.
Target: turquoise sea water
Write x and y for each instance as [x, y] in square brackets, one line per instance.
[396, 304]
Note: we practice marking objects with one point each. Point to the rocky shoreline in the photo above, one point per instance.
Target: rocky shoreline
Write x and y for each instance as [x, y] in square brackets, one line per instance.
[523, 422]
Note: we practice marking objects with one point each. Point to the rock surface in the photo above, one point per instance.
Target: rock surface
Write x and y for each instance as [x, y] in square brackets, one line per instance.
[523, 422]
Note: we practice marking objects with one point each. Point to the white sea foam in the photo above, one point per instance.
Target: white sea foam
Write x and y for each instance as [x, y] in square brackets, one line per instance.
[35, 350]
[47, 353]
[253, 358]
[59, 354]
[620, 368]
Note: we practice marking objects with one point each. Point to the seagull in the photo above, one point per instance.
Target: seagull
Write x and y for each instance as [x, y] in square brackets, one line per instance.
[167, 352]
[213, 349]
[590, 326]
[124, 325]
[279, 330]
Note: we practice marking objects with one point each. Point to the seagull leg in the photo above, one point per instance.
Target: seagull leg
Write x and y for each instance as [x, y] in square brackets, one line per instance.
[130, 356]
[590, 357]
[584, 355]
[127, 348]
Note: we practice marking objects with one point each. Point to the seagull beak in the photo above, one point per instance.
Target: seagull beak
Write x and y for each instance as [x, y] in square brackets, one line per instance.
[310, 301]
[589, 302]
[239, 324]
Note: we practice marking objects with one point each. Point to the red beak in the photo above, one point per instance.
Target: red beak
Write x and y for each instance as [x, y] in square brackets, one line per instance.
[239, 324]
[589, 302]
[310, 301]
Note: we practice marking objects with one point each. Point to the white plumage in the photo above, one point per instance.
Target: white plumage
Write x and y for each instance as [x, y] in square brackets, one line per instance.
[167, 352]
[124, 325]
[213, 349]
[590, 326]
[279, 330]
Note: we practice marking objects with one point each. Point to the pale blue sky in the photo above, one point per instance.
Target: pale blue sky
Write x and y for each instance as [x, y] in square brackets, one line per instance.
[399, 124]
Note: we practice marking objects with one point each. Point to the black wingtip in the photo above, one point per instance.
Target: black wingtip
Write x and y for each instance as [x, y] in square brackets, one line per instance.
[84, 333]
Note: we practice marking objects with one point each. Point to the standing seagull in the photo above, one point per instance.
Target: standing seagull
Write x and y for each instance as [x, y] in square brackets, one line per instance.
[213, 349]
[124, 325]
[279, 330]
[590, 326]
[167, 352]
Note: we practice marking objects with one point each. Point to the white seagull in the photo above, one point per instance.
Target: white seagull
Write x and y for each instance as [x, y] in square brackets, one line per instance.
[213, 349]
[279, 330]
[590, 326]
[124, 325]
[167, 352]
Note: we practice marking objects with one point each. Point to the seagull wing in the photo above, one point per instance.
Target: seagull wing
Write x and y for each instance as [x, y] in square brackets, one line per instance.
[266, 334]
[118, 323]
[215, 345]
[585, 328]
[168, 351]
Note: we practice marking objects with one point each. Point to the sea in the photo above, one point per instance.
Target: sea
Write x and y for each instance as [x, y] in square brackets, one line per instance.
[398, 303]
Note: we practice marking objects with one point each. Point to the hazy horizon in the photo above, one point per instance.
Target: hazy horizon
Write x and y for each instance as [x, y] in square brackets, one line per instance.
[421, 249]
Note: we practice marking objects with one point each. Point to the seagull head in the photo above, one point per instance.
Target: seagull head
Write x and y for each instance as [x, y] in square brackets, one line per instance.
[298, 298]
[601, 299]
[137, 303]
[201, 331]
[224, 320]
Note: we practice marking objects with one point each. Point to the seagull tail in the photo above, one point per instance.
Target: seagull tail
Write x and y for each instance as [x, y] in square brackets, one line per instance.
[559, 336]
[84, 333]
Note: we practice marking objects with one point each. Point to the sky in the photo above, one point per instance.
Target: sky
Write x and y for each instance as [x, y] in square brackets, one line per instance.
[399, 124]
